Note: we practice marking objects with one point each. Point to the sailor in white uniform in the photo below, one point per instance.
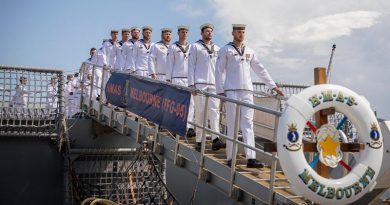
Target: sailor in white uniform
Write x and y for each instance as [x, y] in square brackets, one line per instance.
[201, 75]
[69, 100]
[177, 70]
[20, 99]
[52, 97]
[76, 83]
[233, 79]
[127, 50]
[121, 58]
[135, 30]
[141, 52]
[98, 58]
[158, 55]
[112, 50]
[87, 67]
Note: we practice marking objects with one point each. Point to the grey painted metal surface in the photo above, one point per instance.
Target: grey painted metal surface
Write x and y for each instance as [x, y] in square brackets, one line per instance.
[31, 172]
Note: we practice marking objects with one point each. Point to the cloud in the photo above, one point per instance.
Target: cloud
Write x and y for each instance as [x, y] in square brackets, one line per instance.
[187, 9]
[332, 26]
[294, 37]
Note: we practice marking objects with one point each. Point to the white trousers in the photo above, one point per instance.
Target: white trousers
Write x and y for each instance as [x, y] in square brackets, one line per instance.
[212, 109]
[160, 77]
[97, 83]
[69, 107]
[143, 73]
[106, 75]
[184, 82]
[246, 122]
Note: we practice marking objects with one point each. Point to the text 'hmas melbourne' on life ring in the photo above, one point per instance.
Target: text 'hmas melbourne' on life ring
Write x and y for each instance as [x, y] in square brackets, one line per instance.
[303, 178]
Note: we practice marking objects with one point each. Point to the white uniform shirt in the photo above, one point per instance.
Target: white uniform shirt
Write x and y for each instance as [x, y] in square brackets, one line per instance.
[202, 63]
[120, 59]
[141, 53]
[87, 68]
[177, 61]
[21, 96]
[52, 96]
[127, 55]
[99, 58]
[158, 59]
[68, 90]
[111, 51]
[233, 69]
[76, 85]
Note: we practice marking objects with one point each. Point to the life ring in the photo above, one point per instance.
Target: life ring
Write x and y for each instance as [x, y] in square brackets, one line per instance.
[303, 178]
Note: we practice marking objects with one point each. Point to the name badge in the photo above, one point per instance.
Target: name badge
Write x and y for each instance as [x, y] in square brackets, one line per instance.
[247, 56]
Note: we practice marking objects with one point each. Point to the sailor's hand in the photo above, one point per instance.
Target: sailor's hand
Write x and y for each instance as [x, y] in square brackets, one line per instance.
[154, 76]
[168, 81]
[222, 94]
[194, 91]
[278, 91]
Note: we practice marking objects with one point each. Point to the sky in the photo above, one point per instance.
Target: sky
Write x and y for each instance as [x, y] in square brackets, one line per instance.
[291, 37]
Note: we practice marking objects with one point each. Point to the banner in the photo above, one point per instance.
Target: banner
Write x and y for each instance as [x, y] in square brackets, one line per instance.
[157, 102]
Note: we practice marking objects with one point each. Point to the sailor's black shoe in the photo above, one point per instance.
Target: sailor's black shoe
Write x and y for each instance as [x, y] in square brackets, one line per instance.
[191, 133]
[217, 144]
[229, 163]
[198, 146]
[253, 163]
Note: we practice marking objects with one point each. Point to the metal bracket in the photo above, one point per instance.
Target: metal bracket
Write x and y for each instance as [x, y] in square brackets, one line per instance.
[159, 149]
[205, 175]
[180, 161]
[237, 194]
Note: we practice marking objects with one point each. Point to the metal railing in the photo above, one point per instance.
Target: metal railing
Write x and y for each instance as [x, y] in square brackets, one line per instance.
[31, 102]
[91, 85]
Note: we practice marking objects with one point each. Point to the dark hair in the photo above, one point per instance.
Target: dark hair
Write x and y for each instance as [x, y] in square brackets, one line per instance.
[92, 49]
[204, 27]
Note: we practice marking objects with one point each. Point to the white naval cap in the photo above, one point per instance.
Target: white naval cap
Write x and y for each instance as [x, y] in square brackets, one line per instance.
[183, 27]
[206, 25]
[135, 28]
[54, 77]
[114, 31]
[147, 28]
[163, 30]
[22, 78]
[239, 26]
[125, 30]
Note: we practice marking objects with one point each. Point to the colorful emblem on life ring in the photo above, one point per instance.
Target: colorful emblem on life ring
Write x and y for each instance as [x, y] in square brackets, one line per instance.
[293, 137]
[328, 145]
[375, 143]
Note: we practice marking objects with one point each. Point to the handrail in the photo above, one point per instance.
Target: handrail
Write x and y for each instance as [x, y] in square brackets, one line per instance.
[33, 69]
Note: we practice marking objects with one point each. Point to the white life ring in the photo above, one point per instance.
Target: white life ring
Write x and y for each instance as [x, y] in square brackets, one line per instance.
[304, 180]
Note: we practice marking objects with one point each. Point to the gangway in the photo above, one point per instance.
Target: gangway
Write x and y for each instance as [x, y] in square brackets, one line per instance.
[267, 185]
